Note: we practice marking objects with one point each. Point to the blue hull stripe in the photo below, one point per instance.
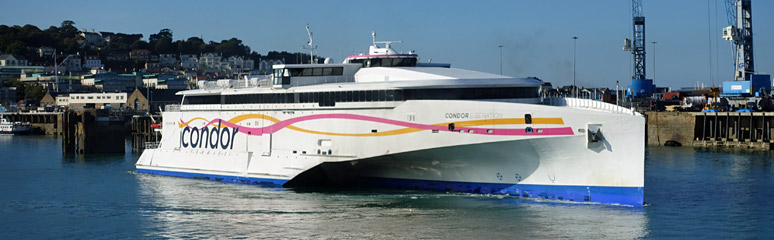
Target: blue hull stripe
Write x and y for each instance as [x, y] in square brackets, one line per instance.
[220, 178]
[631, 196]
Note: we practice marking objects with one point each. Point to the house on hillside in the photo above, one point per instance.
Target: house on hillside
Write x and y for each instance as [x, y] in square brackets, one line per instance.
[142, 54]
[46, 52]
[71, 63]
[265, 66]
[210, 62]
[91, 39]
[92, 61]
[168, 59]
[8, 60]
[189, 62]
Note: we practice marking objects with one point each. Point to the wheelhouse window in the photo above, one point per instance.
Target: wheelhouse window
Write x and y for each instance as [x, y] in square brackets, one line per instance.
[386, 62]
[316, 71]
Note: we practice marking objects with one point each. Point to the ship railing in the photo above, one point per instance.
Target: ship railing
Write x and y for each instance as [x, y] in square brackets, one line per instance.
[589, 104]
[233, 83]
[151, 145]
[172, 108]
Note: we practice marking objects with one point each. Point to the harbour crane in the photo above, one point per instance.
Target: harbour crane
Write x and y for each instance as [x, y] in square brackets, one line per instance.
[641, 86]
[739, 32]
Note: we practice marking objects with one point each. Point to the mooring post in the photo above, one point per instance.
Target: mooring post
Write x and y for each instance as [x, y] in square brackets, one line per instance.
[750, 130]
[704, 128]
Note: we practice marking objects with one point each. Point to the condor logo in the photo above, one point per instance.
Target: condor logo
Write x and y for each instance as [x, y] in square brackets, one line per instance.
[212, 138]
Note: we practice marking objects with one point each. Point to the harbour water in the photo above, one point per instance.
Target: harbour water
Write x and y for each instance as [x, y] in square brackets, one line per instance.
[691, 192]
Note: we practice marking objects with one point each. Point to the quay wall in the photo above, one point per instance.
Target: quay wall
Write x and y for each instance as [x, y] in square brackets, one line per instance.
[714, 129]
[40, 123]
[670, 126]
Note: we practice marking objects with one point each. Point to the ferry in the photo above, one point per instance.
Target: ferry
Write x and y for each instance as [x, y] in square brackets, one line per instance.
[9, 127]
[385, 119]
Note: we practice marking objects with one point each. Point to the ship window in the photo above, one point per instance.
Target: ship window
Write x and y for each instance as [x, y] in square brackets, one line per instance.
[399, 95]
[295, 71]
[330, 98]
[361, 61]
[302, 97]
[306, 72]
[327, 71]
[317, 71]
[337, 71]
[212, 99]
[390, 94]
[528, 118]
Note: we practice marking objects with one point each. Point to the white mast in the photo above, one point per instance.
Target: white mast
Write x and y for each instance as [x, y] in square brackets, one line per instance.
[310, 44]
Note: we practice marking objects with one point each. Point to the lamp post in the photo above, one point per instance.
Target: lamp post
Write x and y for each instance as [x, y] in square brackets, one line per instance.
[574, 45]
[501, 59]
[654, 62]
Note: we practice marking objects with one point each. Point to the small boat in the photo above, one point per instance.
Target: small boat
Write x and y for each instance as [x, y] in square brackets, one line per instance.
[8, 127]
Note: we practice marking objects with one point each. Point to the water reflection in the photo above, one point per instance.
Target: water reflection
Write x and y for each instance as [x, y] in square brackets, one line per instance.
[181, 208]
[691, 192]
[694, 187]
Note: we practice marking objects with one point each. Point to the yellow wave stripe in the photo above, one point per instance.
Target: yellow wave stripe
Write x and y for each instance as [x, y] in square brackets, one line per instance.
[470, 123]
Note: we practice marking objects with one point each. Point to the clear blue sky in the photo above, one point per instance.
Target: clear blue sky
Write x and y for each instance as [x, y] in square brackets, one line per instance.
[536, 34]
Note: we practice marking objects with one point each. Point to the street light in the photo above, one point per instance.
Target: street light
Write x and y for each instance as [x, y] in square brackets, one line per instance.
[654, 62]
[501, 59]
[574, 45]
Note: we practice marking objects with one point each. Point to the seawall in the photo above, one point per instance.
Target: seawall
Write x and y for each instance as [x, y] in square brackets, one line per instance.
[715, 129]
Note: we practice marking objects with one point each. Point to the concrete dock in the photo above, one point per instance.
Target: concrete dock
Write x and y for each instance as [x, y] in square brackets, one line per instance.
[41, 122]
[722, 129]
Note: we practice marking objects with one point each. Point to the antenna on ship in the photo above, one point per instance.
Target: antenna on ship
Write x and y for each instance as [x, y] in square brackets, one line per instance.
[387, 50]
[386, 43]
[310, 44]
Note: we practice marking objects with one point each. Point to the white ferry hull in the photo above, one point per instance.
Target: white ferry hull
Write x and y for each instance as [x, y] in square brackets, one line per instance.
[491, 148]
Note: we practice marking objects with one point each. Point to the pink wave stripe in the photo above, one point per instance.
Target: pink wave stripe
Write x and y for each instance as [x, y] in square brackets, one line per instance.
[283, 124]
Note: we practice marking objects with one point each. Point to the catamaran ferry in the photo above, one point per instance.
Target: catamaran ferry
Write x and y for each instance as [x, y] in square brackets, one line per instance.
[386, 119]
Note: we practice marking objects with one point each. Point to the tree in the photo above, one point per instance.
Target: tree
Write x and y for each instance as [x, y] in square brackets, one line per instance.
[162, 42]
[232, 47]
[34, 91]
[17, 48]
[165, 46]
[68, 28]
[163, 33]
[139, 44]
[192, 45]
